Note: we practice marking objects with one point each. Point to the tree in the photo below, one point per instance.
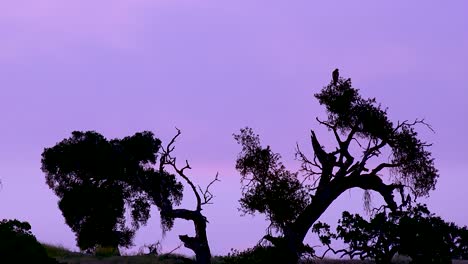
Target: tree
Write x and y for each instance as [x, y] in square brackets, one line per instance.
[414, 232]
[86, 171]
[293, 201]
[376, 239]
[19, 245]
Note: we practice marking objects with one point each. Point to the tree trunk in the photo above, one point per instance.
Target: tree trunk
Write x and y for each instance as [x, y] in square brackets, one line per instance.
[322, 200]
[198, 244]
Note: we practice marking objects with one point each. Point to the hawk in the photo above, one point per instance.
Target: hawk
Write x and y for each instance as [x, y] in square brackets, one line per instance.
[335, 76]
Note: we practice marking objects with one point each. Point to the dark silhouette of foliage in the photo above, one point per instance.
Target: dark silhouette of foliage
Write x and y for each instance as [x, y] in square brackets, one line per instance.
[255, 255]
[268, 188]
[425, 237]
[414, 232]
[293, 201]
[87, 172]
[96, 215]
[19, 245]
[460, 250]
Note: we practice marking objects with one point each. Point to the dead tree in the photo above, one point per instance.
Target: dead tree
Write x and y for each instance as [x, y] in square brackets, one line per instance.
[199, 243]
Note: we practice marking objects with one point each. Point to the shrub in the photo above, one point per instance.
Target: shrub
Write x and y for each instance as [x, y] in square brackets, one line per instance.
[255, 255]
[106, 251]
[19, 245]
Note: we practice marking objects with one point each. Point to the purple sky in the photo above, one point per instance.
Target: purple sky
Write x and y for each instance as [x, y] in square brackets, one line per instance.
[210, 68]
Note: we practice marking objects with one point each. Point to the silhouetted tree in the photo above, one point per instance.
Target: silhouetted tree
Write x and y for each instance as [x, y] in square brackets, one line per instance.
[426, 238]
[377, 239]
[19, 245]
[167, 162]
[414, 232]
[87, 172]
[293, 201]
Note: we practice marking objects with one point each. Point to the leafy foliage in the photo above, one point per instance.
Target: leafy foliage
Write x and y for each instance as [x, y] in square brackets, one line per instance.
[87, 172]
[18, 244]
[267, 186]
[255, 255]
[348, 111]
[460, 250]
[414, 232]
[416, 166]
[426, 238]
[96, 215]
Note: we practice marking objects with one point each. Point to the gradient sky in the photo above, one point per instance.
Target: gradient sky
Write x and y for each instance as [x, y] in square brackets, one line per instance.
[210, 68]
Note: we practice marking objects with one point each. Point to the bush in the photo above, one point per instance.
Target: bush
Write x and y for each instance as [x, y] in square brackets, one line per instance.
[59, 251]
[106, 251]
[19, 245]
[255, 255]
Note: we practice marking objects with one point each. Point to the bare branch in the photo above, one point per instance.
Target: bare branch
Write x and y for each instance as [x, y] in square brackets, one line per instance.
[165, 152]
[172, 251]
[207, 195]
[310, 168]
[318, 150]
[368, 153]
[415, 122]
[345, 159]
[333, 128]
[167, 159]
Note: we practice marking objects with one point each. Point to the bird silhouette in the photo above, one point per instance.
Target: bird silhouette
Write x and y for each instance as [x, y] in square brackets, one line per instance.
[335, 76]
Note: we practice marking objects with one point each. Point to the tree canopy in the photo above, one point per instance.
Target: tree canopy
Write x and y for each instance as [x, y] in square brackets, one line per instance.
[87, 172]
[268, 187]
[350, 114]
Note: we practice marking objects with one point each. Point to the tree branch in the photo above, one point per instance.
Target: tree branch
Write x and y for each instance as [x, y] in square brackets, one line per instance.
[207, 195]
[359, 166]
[333, 128]
[345, 160]
[192, 243]
[327, 160]
[415, 122]
[310, 168]
[375, 183]
[318, 150]
[166, 159]
[382, 166]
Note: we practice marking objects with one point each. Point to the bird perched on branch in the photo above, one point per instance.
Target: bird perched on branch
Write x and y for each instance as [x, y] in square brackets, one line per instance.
[335, 76]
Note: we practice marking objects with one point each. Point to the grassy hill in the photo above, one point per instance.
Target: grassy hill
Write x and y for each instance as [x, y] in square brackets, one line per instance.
[69, 257]
[65, 255]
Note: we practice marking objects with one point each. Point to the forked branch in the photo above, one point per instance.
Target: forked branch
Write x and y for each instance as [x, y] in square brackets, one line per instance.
[207, 195]
[203, 196]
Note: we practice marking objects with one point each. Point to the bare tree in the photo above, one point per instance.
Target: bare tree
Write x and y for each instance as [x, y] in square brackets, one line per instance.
[199, 243]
